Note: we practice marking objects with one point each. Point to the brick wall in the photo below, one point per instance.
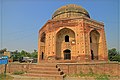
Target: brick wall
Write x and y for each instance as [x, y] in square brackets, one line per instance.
[13, 67]
[111, 68]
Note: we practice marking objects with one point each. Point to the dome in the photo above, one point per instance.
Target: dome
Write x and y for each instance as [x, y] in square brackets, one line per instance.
[70, 11]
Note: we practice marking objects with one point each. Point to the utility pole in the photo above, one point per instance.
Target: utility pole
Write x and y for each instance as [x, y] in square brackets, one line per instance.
[1, 23]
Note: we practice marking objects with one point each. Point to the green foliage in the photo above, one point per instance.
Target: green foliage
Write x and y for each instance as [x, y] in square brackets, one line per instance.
[3, 50]
[17, 55]
[113, 55]
[24, 54]
[18, 72]
[34, 54]
[91, 74]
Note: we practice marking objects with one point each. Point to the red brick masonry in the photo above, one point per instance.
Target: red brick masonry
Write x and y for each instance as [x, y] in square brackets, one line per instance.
[110, 68]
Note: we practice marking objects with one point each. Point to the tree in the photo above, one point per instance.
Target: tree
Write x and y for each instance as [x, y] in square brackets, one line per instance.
[15, 55]
[3, 50]
[113, 55]
[34, 54]
[25, 54]
[18, 55]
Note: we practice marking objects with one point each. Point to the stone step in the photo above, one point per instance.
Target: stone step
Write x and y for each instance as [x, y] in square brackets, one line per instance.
[44, 72]
[47, 64]
[66, 61]
[42, 75]
[45, 68]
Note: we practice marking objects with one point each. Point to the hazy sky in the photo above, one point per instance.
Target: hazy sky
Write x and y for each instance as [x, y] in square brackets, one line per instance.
[20, 20]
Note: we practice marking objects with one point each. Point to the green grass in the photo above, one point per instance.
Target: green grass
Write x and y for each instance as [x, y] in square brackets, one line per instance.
[2, 77]
[95, 76]
[18, 72]
[102, 77]
[91, 74]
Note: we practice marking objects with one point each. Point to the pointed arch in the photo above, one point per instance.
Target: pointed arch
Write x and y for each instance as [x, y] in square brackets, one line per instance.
[94, 44]
[43, 37]
[63, 38]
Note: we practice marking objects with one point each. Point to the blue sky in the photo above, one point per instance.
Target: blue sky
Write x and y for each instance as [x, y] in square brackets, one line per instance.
[20, 20]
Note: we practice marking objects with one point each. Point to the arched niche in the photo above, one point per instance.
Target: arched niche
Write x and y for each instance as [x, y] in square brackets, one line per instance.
[43, 37]
[64, 37]
[94, 44]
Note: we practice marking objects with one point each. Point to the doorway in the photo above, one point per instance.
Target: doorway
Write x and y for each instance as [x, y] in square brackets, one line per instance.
[94, 44]
[67, 54]
[92, 55]
[42, 56]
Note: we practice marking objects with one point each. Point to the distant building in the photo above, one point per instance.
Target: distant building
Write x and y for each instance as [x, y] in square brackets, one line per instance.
[72, 35]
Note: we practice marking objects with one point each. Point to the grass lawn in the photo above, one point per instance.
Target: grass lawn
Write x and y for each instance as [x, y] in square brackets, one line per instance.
[2, 77]
[95, 76]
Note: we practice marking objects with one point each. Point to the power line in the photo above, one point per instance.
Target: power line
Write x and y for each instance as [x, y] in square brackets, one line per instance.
[118, 28]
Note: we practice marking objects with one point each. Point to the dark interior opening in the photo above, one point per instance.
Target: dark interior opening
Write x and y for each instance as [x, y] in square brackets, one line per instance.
[90, 40]
[42, 57]
[92, 55]
[66, 38]
[67, 54]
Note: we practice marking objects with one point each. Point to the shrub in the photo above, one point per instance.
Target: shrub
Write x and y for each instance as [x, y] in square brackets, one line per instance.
[18, 72]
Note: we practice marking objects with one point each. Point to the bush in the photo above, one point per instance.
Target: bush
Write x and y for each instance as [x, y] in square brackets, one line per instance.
[18, 72]
[113, 55]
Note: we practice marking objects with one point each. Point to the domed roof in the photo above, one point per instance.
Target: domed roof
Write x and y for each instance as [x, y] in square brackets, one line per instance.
[70, 11]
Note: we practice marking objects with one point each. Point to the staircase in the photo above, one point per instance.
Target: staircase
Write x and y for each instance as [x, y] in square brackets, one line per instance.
[46, 70]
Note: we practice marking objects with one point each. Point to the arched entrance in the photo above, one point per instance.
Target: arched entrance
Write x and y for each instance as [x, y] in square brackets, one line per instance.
[42, 43]
[64, 37]
[43, 37]
[67, 54]
[94, 44]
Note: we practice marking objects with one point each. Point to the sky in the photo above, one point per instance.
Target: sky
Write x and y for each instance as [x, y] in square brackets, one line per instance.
[20, 20]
